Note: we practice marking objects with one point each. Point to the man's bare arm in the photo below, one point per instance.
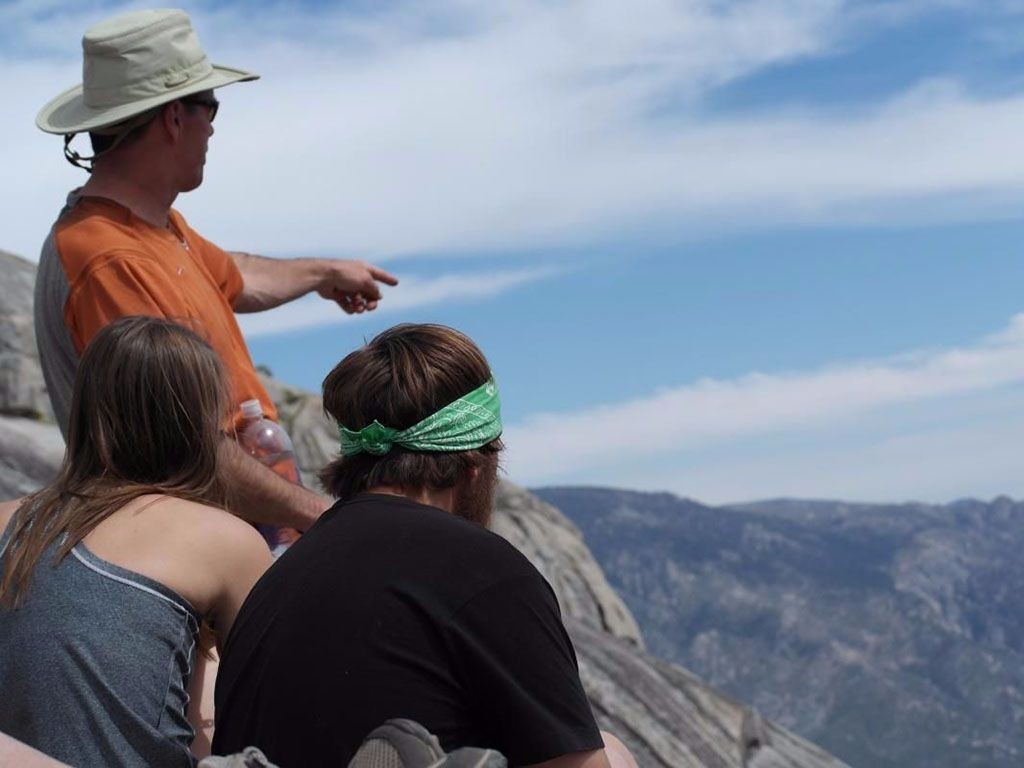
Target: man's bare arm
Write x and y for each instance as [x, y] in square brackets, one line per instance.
[614, 755]
[15, 754]
[258, 495]
[271, 282]
[595, 759]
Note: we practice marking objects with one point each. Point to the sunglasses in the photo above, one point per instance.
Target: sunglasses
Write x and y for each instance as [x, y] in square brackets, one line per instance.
[211, 104]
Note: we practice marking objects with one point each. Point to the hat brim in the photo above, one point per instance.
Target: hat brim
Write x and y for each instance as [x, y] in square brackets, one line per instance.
[68, 113]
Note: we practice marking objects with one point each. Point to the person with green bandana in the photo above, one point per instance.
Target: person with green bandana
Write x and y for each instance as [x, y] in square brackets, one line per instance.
[398, 602]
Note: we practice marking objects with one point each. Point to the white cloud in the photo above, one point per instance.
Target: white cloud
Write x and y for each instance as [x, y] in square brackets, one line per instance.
[312, 311]
[452, 126]
[972, 453]
[687, 420]
[455, 126]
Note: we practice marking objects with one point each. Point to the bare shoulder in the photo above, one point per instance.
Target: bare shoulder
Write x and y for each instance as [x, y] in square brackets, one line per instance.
[217, 555]
[213, 527]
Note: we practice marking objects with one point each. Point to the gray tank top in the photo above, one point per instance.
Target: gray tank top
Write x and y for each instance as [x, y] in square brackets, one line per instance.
[95, 664]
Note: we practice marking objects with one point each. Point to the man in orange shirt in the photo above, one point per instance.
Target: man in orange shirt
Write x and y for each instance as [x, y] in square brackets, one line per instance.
[118, 247]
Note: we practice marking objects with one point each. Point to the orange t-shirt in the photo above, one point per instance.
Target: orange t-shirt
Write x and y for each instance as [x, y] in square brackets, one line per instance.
[118, 264]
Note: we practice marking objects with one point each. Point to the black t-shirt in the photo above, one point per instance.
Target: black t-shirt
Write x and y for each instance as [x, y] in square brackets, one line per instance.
[388, 608]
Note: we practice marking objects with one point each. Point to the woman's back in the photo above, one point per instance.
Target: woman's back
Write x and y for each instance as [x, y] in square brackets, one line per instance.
[96, 661]
[96, 664]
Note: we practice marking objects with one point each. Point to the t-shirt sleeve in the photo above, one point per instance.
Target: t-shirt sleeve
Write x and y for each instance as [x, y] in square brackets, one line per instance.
[222, 267]
[515, 658]
[120, 285]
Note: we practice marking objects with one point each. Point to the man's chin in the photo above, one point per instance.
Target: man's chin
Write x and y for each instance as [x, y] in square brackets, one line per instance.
[194, 182]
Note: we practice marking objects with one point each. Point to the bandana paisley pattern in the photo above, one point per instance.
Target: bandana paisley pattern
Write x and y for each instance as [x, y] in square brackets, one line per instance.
[463, 425]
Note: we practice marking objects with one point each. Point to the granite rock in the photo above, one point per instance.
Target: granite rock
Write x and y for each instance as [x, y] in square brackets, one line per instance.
[669, 718]
[22, 390]
[30, 454]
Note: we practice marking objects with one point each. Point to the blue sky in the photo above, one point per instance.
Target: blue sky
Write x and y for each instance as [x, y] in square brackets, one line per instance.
[728, 249]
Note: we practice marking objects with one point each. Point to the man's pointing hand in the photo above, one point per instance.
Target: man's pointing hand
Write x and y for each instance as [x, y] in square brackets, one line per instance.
[353, 284]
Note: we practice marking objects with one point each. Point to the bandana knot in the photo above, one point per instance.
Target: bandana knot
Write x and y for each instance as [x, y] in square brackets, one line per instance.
[375, 438]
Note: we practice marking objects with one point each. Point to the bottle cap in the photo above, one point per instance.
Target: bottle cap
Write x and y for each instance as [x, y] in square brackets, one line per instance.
[251, 409]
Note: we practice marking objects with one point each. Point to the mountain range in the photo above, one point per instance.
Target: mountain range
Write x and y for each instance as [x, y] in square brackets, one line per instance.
[892, 635]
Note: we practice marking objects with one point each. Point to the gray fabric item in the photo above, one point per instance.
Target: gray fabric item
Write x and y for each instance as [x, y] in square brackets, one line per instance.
[402, 743]
[57, 354]
[95, 664]
[250, 757]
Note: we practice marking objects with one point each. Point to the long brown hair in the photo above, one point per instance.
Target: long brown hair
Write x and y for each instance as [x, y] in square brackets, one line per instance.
[402, 376]
[148, 402]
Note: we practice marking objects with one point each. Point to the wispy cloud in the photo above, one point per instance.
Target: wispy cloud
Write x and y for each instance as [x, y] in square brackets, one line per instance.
[412, 292]
[935, 451]
[453, 126]
[696, 417]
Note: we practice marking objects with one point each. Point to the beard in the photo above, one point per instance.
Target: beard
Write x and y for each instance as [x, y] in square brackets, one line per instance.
[474, 498]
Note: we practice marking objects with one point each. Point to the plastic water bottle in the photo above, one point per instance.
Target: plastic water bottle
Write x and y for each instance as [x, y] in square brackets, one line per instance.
[268, 442]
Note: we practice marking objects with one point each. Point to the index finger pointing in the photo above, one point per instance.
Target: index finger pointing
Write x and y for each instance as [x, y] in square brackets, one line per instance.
[379, 274]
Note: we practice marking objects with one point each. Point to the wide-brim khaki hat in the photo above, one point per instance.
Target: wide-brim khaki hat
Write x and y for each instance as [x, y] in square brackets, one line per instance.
[131, 64]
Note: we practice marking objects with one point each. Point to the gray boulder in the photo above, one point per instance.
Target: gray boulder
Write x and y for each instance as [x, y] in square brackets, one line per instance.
[30, 453]
[671, 719]
[22, 390]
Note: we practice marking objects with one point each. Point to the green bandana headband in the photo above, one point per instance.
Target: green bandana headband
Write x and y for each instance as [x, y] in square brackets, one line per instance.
[470, 422]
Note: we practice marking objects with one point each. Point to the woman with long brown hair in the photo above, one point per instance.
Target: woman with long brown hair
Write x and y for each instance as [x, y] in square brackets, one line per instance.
[107, 574]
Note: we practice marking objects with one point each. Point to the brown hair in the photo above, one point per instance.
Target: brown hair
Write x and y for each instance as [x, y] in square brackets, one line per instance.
[122, 134]
[146, 411]
[402, 376]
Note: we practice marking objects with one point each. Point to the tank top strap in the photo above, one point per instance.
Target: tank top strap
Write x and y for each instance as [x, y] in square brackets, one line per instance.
[137, 581]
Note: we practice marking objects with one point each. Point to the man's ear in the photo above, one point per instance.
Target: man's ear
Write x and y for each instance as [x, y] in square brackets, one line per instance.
[472, 473]
[170, 119]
